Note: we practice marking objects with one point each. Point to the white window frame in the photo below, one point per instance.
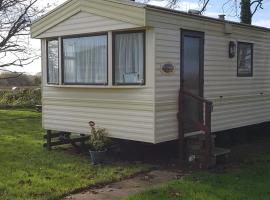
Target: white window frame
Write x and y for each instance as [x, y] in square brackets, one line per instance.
[110, 62]
[47, 61]
[63, 64]
[144, 57]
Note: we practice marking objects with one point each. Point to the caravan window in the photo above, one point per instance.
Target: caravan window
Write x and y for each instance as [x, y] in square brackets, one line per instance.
[245, 59]
[129, 58]
[52, 62]
[85, 60]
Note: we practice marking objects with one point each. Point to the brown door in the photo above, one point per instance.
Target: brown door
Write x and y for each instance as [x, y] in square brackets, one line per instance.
[192, 57]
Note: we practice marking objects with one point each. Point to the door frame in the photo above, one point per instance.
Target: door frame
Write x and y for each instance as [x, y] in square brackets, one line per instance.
[196, 34]
[201, 36]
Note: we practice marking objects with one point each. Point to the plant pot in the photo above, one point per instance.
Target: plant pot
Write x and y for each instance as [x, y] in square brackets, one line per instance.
[97, 157]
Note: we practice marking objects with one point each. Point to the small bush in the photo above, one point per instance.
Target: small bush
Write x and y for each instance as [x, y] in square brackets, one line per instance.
[20, 98]
[98, 140]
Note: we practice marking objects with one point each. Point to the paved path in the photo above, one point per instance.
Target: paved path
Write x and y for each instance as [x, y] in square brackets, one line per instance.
[116, 191]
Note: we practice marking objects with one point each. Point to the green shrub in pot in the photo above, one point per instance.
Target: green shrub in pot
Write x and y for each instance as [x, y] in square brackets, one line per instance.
[98, 143]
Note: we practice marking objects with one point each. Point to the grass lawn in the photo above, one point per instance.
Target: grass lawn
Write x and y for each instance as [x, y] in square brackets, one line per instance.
[30, 172]
[250, 181]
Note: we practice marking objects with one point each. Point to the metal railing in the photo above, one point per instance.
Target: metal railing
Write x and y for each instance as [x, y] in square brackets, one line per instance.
[203, 125]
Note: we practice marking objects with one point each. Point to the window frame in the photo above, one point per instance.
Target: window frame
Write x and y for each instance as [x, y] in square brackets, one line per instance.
[114, 33]
[250, 74]
[62, 58]
[47, 60]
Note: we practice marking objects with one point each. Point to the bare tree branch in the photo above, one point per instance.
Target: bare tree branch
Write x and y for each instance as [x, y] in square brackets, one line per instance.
[205, 4]
[259, 5]
[15, 19]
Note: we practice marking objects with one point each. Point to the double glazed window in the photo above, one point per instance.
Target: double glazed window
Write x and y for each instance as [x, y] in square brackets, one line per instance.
[129, 58]
[84, 59]
[53, 62]
[245, 59]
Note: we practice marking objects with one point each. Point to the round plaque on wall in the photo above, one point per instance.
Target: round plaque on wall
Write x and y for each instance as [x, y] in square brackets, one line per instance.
[167, 68]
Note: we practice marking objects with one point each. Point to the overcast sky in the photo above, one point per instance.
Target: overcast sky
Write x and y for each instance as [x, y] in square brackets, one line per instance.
[262, 18]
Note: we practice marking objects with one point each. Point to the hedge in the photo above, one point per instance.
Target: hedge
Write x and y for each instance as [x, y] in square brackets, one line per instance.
[20, 98]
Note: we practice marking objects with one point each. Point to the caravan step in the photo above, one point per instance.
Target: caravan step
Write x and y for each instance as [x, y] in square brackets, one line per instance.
[220, 155]
[197, 133]
[194, 133]
[217, 151]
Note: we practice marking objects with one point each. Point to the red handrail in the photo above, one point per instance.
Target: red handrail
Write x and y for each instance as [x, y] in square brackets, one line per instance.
[196, 97]
[206, 124]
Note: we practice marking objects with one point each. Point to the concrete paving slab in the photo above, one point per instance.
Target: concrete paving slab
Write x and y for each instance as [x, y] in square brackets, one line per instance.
[118, 190]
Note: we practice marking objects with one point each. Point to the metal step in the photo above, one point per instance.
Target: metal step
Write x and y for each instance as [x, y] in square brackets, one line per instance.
[197, 133]
[217, 151]
[194, 133]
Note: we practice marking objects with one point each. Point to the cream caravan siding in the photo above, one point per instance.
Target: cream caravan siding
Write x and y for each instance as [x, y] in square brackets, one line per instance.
[127, 113]
[124, 11]
[238, 101]
[83, 23]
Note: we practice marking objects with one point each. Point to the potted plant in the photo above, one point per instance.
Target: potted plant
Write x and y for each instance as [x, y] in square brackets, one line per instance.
[98, 143]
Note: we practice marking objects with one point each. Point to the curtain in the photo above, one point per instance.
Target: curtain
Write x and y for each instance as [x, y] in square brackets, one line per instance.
[85, 60]
[129, 57]
[245, 57]
[53, 66]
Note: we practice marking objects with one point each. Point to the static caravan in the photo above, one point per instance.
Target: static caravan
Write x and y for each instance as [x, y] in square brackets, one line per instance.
[122, 64]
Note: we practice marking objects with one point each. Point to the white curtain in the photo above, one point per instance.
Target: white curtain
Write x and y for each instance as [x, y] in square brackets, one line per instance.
[129, 57]
[53, 62]
[85, 60]
[245, 58]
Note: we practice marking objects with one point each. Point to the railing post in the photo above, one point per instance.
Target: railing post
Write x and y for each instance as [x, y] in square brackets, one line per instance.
[208, 150]
[181, 133]
[49, 139]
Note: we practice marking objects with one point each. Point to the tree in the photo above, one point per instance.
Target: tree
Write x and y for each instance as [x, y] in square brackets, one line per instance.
[246, 10]
[15, 19]
[21, 81]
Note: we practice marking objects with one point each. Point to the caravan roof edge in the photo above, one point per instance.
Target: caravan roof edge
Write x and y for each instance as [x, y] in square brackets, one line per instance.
[203, 17]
